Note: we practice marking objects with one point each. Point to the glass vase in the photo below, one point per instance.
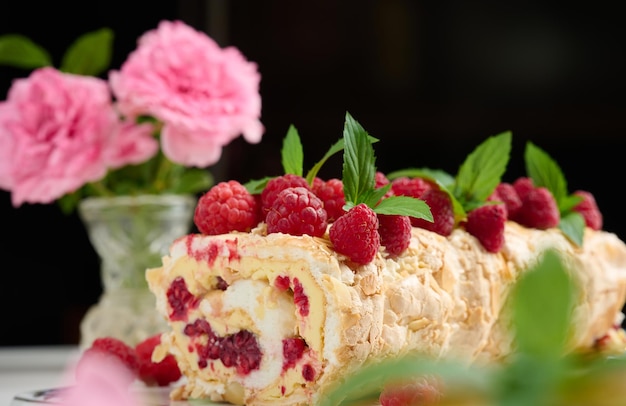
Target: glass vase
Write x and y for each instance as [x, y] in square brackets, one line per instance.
[130, 234]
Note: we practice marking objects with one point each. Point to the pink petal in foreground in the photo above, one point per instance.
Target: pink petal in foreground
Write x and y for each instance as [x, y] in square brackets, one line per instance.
[101, 382]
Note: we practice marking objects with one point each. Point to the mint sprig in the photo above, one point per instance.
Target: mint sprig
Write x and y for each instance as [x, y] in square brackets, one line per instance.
[477, 177]
[359, 177]
[545, 172]
[292, 159]
[482, 170]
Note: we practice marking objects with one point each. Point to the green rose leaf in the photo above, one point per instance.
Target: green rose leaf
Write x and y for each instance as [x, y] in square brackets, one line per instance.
[193, 180]
[21, 52]
[90, 54]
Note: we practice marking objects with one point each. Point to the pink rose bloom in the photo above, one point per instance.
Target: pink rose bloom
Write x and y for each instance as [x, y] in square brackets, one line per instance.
[60, 131]
[205, 95]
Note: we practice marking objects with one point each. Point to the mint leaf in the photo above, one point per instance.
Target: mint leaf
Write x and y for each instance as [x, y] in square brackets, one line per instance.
[335, 148]
[405, 206]
[542, 303]
[359, 171]
[482, 170]
[90, 54]
[21, 52]
[292, 153]
[568, 203]
[256, 186]
[545, 172]
[572, 225]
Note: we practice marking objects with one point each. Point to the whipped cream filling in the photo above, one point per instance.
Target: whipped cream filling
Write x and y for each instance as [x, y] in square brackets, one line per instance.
[273, 318]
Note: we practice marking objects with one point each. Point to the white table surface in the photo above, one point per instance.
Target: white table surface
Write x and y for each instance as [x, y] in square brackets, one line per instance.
[25, 369]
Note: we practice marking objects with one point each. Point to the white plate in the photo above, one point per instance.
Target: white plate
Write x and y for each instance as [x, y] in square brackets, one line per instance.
[54, 396]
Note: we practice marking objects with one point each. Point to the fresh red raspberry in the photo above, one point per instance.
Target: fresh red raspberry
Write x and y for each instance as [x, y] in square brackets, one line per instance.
[507, 194]
[226, 207]
[522, 186]
[355, 234]
[110, 349]
[539, 210]
[380, 180]
[588, 208]
[160, 373]
[297, 211]
[275, 186]
[413, 187]
[487, 223]
[331, 193]
[442, 211]
[395, 233]
[422, 392]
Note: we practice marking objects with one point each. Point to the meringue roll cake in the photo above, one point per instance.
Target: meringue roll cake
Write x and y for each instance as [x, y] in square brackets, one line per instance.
[260, 318]
[289, 287]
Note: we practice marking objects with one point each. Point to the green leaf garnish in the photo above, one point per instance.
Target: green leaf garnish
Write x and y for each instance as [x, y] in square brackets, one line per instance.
[21, 52]
[572, 225]
[90, 54]
[405, 206]
[482, 170]
[292, 152]
[545, 172]
[359, 173]
[256, 186]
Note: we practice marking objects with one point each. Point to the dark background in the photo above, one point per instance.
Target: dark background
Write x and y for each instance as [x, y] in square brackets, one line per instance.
[430, 79]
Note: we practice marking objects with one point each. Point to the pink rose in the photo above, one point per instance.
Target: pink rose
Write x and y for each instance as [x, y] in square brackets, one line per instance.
[205, 96]
[60, 131]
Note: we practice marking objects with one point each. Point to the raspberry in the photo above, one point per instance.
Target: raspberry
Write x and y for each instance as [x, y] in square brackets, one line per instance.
[395, 233]
[486, 223]
[226, 207]
[300, 299]
[507, 194]
[588, 208]
[275, 186]
[380, 180]
[522, 186]
[442, 211]
[297, 211]
[160, 373]
[539, 210]
[241, 350]
[355, 234]
[331, 193]
[293, 349]
[180, 299]
[413, 187]
[424, 392]
[109, 349]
